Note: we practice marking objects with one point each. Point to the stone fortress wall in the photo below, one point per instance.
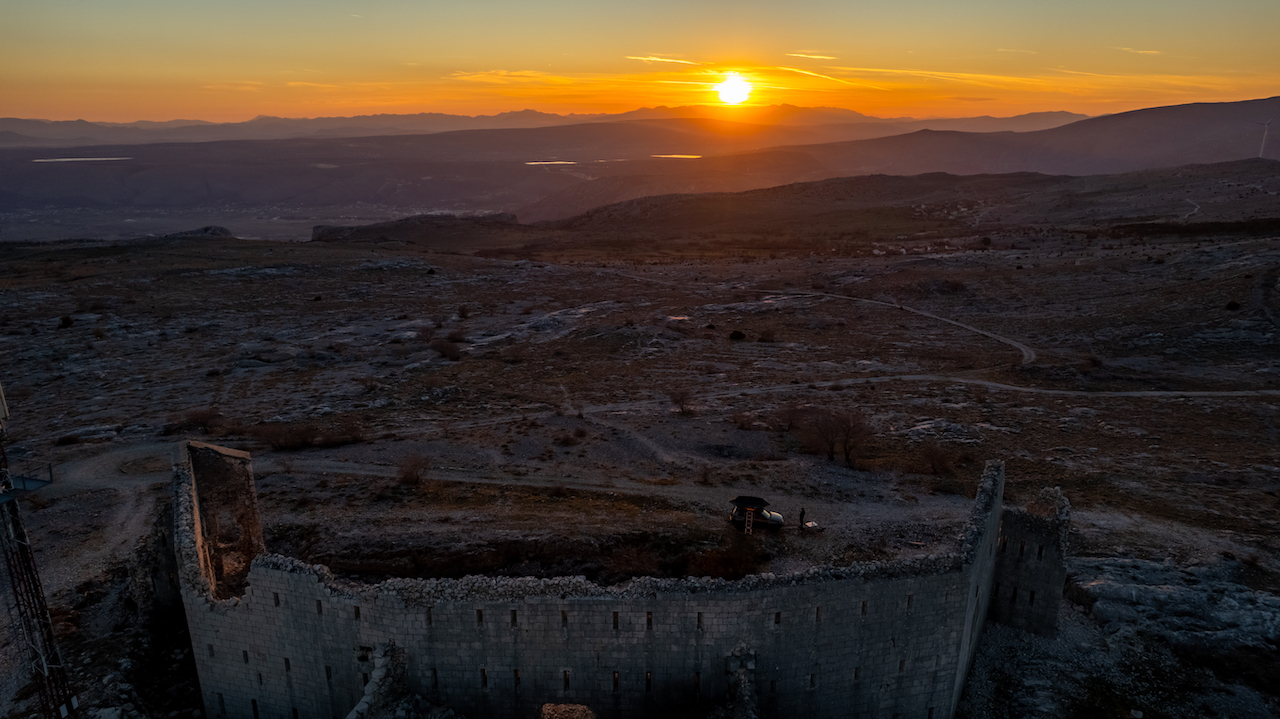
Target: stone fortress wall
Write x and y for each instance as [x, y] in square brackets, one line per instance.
[278, 639]
[1031, 566]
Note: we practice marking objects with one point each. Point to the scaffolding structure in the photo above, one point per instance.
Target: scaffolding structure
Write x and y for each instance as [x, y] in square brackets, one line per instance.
[35, 628]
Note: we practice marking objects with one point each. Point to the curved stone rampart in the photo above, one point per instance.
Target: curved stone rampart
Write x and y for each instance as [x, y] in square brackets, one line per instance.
[875, 639]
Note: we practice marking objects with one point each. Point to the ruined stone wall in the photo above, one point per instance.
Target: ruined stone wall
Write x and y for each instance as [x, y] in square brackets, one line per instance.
[153, 568]
[226, 501]
[882, 639]
[1030, 567]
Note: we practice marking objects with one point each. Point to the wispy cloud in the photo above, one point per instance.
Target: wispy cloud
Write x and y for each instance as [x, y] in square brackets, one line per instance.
[1180, 82]
[510, 77]
[811, 57]
[654, 58]
[831, 78]
[1020, 52]
[297, 83]
[1139, 52]
[967, 78]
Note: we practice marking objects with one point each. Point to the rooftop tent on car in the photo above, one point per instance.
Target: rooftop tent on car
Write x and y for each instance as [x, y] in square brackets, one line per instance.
[745, 503]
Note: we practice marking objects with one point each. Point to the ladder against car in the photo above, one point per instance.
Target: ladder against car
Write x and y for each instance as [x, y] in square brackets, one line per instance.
[751, 513]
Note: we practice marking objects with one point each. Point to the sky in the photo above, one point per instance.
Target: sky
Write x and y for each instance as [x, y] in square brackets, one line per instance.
[232, 60]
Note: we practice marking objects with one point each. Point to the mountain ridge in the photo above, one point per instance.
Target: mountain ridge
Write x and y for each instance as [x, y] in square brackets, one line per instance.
[72, 133]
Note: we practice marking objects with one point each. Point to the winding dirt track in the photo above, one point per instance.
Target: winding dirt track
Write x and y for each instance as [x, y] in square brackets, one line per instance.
[1028, 354]
[90, 473]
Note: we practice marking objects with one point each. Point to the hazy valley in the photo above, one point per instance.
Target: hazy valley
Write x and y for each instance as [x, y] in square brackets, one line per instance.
[447, 360]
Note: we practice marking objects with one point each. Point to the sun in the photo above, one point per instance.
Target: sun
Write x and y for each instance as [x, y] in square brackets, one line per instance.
[734, 90]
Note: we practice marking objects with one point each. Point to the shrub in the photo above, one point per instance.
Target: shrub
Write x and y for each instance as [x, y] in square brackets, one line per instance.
[368, 382]
[767, 336]
[457, 335]
[705, 475]
[828, 432]
[681, 398]
[349, 432]
[948, 485]
[36, 500]
[785, 419]
[292, 436]
[737, 335]
[447, 349]
[286, 436]
[740, 558]
[1088, 363]
[635, 562]
[413, 469]
[206, 420]
[65, 322]
[937, 460]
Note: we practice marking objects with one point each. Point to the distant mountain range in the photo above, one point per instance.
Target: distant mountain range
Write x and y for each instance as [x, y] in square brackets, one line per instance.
[1126, 142]
[1154, 137]
[16, 132]
[569, 165]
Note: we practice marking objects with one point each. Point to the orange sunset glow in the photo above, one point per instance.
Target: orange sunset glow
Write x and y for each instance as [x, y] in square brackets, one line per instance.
[136, 60]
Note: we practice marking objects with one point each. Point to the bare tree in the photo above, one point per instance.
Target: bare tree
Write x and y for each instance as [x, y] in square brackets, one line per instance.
[829, 432]
[819, 430]
[785, 419]
[681, 397]
[413, 469]
[854, 434]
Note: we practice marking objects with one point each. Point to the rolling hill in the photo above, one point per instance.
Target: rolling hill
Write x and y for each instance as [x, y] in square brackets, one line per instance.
[559, 171]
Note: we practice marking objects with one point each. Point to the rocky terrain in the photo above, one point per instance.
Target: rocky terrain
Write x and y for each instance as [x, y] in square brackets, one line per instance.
[585, 399]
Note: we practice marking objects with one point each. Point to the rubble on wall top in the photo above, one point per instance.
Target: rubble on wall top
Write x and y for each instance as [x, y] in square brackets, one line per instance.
[227, 451]
[420, 592]
[990, 491]
[1050, 512]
